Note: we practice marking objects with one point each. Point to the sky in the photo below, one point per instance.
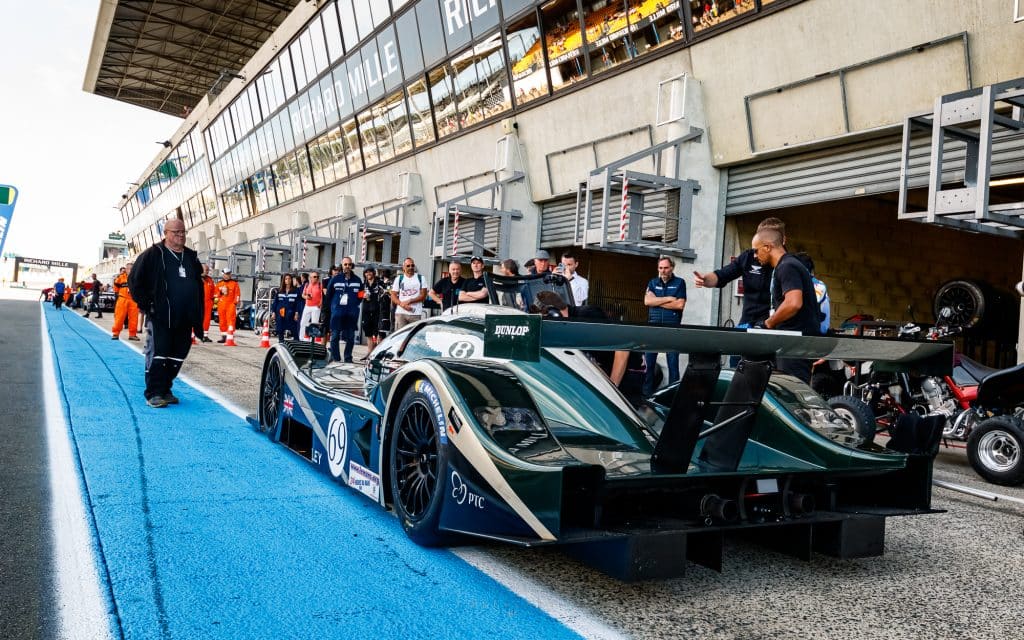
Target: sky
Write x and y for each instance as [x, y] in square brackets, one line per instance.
[71, 154]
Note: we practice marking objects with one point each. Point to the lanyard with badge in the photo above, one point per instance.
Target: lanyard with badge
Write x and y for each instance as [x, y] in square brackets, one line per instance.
[181, 264]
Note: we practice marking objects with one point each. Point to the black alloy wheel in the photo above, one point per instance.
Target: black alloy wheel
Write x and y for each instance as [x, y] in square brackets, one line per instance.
[417, 462]
[271, 392]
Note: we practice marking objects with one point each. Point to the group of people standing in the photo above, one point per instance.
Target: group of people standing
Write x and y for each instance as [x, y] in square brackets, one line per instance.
[336, 306]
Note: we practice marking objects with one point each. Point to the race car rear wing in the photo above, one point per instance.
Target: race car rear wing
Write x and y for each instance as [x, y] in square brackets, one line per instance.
[520, 336]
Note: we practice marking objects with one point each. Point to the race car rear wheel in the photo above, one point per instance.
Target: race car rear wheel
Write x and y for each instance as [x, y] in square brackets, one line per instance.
[271, 392]
[417, 461]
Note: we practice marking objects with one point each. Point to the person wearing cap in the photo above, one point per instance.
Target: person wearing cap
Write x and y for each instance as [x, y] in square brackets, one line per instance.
[445, 291]
[209, 294]
[125, 308]
[229, 294]
[343, 296]
[475, 289]
[166, 282]
[541, 262]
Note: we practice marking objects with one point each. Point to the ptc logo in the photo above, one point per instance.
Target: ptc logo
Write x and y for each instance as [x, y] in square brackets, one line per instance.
[337, 441]
[462, 494]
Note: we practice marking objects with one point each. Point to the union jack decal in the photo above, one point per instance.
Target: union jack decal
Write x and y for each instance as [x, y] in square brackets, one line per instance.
[289, 404]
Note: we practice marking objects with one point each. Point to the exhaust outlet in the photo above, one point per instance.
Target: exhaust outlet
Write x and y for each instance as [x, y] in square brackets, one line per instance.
[801, 503]
[714, 507]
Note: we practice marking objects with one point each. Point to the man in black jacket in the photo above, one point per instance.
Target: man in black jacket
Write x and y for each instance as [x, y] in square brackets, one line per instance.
[167, 284]
[94, 298]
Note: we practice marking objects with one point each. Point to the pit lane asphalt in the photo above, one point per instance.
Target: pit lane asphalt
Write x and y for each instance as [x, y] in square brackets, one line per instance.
[957, 574]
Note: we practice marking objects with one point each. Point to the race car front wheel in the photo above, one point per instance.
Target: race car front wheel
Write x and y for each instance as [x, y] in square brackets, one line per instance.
[418, 460]
[270, 395]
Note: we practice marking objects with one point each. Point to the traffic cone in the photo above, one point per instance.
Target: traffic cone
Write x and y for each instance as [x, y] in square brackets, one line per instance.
[230, 342]
[265, 340]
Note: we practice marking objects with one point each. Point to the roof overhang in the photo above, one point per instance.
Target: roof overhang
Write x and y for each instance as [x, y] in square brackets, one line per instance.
[166, 55]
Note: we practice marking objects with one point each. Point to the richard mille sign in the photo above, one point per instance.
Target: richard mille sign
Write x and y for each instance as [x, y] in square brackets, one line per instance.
[512, 337]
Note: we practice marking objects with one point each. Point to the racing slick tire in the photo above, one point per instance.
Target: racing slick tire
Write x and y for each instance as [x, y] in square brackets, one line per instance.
[857, 413]
[271, 395]
[995, 450]
[417, 463]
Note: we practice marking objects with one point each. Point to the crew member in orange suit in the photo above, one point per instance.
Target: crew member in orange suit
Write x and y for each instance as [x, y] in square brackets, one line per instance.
[125, 307]
[209, 293]
[227, 301]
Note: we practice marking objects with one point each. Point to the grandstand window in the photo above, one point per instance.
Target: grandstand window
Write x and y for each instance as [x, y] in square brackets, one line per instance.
[442, 96]
[364, 17]
[313, 122]
[335, 152]
[709, 13]
[380, 10]
[455, 21]
[655, 24]
[396, 118]
[492, 79]
[387, 50]
[356, 80]
[419, 113]
[465, 84]
[564, 42]
[368, 138]
[373, 71]
[297, 64]
[287, 74]
[429, 18]
[295, 120]
[319, 45]
[332, 33]
[347, 17]
[209, 202]
[408, 35]
[341, 95]
[329, 100]
[511, 7]
[319, 156]
[607, 32]
[529, 78]
[398, 4]
[305, 173]
[352, 150]
[283, 180]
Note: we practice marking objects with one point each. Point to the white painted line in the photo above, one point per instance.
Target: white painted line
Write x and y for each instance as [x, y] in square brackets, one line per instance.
[81, 604]
[540, 596]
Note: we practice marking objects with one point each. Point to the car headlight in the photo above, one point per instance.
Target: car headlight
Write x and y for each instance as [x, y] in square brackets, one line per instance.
[498, 419]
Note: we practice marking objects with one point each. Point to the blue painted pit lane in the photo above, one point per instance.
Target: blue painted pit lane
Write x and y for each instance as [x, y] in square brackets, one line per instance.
[203, 528]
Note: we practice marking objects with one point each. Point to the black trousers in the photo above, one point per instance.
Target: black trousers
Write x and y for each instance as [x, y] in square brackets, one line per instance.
[797, 367]
[166, 350]
[58, 300]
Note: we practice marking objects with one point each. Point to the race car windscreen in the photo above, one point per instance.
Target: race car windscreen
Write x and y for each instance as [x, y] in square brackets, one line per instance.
[520, 292]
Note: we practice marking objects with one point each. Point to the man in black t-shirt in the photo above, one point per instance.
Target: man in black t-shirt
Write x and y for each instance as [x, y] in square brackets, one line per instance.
[794, 304]
[445, 291]
[475, 289]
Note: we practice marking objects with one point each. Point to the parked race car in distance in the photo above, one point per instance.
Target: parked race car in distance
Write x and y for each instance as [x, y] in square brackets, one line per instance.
[488, 422]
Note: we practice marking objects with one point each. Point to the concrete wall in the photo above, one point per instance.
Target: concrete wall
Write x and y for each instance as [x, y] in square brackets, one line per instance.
[818, 36]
